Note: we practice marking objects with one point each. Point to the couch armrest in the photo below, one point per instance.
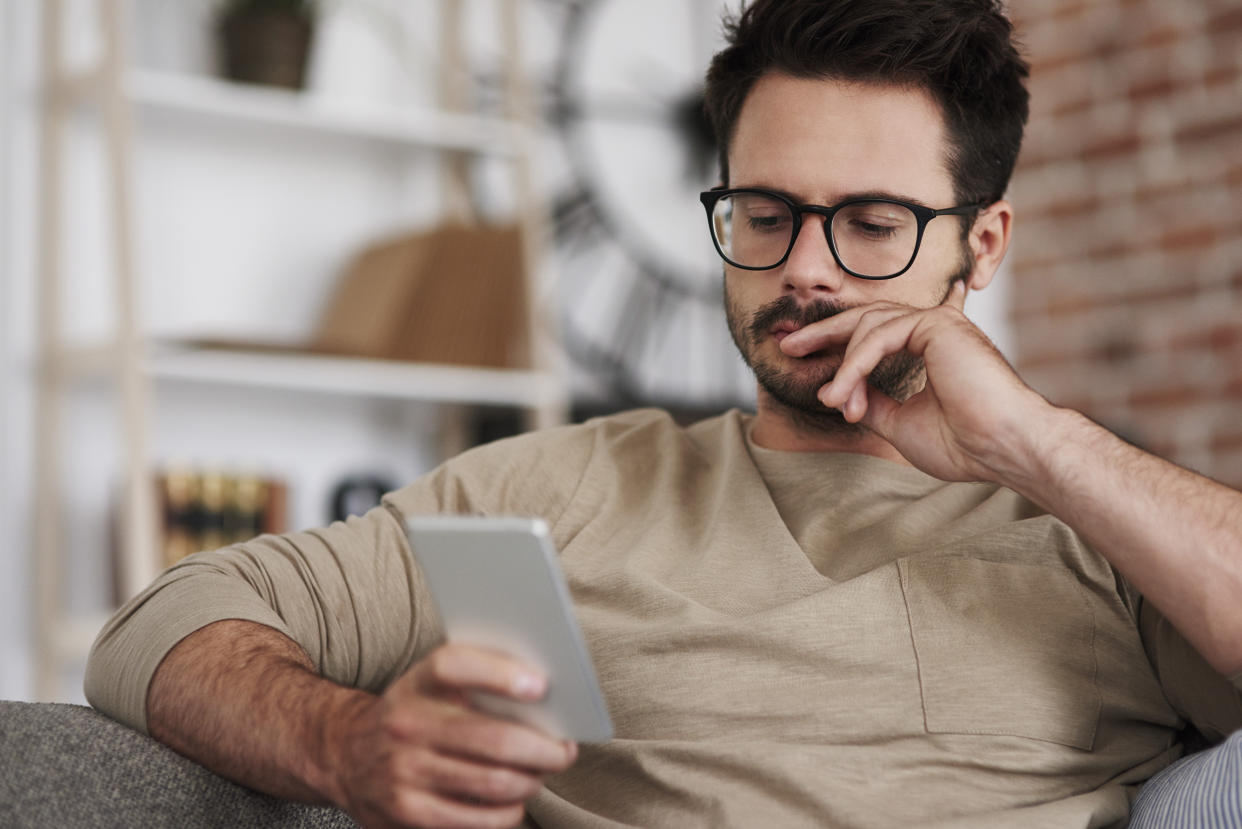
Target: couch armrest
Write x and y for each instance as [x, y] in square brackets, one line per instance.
[68, 765]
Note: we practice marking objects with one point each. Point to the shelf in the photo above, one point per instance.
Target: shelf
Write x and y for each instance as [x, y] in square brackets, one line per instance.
[326, 374]
[217, 100]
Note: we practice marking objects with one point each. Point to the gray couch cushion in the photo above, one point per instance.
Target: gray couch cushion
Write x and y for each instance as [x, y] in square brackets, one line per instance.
[66, 765]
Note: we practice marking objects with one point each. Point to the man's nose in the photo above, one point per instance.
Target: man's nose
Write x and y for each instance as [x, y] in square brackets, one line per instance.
[811, 271]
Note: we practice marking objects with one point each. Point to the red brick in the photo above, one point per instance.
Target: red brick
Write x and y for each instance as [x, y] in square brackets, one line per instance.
[1225, 21]
[1069, 208]
[1072, 106]
[1229, 125]
[1226, 442]
[1162, 36]
[1223, 337]
[1193, 237]
[1172, 396]
[1221, 76]
[1161, 86]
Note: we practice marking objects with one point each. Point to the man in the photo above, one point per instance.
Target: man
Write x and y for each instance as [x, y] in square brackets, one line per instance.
[795, 619]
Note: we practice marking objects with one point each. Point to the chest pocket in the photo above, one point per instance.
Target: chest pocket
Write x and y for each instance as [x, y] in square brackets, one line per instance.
[1003, 649]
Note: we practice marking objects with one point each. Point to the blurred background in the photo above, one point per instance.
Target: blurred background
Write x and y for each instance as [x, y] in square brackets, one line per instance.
[262, 259]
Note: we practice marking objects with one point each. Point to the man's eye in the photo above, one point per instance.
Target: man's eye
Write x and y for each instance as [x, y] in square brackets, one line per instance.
[871, 230]
[767, 224]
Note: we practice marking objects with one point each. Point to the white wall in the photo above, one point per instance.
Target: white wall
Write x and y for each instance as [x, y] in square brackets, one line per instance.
[16, 227]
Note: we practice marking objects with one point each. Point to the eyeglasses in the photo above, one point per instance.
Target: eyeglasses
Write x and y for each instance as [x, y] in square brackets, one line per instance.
[869, 238]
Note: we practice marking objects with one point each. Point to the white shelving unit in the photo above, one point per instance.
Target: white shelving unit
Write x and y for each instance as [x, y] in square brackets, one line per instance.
[333, 375]
[216, 101]
[134, 362]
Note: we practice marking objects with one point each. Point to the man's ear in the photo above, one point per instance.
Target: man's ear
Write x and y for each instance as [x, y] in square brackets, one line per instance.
[989, 239]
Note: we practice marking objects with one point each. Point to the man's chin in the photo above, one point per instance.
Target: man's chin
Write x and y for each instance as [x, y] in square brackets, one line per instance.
[823, 363]
[797, 386]
[810, 373]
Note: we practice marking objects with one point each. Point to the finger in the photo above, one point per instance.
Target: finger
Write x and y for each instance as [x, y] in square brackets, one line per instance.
[471, 735]
[817, 336]
[872, 320]
[461, 667]
[421, 808]
[855, 407]
[862, 357]
[488, 783]
[835, 330]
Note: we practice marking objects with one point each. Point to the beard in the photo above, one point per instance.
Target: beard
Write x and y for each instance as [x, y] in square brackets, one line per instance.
[795, 389]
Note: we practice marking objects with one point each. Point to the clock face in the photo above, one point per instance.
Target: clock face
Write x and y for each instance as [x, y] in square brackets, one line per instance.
[638, 282]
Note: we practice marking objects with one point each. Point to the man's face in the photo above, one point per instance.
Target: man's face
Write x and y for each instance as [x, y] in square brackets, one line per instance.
[822, 142]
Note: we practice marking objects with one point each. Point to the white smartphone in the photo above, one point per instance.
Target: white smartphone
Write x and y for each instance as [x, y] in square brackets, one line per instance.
[497, 583]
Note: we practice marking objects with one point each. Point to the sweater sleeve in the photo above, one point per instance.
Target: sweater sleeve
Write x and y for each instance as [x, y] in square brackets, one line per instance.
[349, 594]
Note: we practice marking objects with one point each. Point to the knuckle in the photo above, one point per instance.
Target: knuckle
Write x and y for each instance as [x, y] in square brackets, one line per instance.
[440, 663]
[507, 741]
[501, 784]
[567, 759]
[408, 722]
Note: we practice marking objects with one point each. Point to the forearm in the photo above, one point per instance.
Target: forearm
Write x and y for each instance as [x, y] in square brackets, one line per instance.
[243, 700]
[1175, 535]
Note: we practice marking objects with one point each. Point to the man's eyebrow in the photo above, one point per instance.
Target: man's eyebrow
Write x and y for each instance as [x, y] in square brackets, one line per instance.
[844, 197]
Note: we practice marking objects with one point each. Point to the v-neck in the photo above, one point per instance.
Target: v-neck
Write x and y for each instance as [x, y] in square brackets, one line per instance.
[847, 512]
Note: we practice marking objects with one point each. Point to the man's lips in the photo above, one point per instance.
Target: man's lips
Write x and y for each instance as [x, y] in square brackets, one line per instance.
[783, 329]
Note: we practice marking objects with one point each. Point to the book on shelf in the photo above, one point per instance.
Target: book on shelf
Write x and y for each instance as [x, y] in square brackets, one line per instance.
[204, 509]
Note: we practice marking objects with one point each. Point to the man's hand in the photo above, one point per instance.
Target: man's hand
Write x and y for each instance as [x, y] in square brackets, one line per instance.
[245, 701]
[972, 417]
[421, 756]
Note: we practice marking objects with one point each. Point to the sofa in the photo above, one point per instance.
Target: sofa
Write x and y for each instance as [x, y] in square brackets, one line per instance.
[70, 766]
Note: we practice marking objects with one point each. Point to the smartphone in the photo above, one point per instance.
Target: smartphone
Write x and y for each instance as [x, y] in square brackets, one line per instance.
[497, 583]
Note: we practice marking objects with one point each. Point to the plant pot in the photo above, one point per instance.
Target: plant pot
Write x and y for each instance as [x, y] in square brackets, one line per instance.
[266, 48]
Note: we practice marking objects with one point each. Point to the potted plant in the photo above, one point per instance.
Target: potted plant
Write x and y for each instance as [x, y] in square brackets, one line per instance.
[266, 41]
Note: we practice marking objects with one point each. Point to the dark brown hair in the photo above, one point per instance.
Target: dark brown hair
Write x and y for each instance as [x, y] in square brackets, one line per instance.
[962, 52]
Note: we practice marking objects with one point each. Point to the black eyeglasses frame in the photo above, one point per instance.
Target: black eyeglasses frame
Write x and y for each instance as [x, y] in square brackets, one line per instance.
[922, 215]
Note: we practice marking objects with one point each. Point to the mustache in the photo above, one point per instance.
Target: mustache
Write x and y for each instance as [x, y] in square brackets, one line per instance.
[787, 309]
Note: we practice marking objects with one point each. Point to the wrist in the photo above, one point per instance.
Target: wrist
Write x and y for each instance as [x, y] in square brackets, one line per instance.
[1037, 447]
[1051, 449]
[329, 757]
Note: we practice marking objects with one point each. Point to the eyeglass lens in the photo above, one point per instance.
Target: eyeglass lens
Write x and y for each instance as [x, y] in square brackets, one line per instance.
[874, 239]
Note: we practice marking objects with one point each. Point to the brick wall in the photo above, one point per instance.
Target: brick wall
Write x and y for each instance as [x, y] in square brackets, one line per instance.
[1127, 258]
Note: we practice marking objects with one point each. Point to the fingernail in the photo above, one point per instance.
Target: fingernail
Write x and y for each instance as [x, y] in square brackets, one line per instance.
[573, 751]
[528, 685]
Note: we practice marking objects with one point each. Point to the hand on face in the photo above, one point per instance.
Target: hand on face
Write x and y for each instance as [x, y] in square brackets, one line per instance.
[421, 756]
[971, 413]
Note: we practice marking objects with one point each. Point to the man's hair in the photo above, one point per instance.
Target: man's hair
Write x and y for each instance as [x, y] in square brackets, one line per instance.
[961, 52]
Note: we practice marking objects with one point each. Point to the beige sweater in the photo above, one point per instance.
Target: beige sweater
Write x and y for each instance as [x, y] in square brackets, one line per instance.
[783, 639]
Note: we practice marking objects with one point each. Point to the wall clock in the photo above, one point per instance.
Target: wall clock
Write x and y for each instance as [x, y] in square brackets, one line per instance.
[638, 283]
